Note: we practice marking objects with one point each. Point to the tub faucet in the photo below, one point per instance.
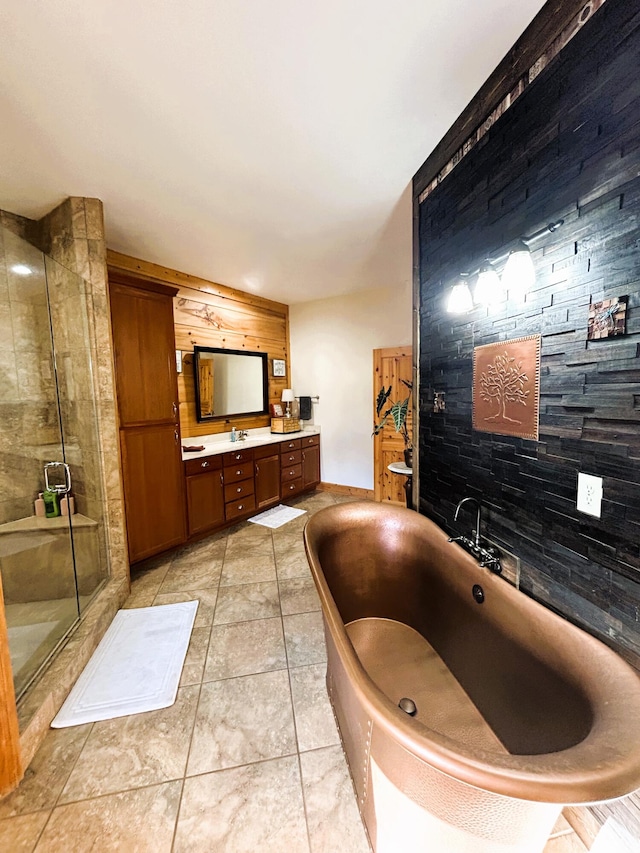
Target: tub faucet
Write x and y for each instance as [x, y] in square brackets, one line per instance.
[476, 540]
[486, 555]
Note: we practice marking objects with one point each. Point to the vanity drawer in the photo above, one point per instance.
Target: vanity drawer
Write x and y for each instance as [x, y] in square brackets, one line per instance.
[232, 457]
[291, 457]
[240, 471]
[291, 488]
[235, 509]
[291, 473]
[293, 444]
[310, 440]
[201, 466]
[235, 491]
[266, 450]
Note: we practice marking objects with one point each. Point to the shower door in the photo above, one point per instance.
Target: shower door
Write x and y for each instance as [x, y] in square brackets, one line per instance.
[50, 566]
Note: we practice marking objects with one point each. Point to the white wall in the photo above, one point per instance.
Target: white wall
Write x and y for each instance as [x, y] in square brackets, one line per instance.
[332, 343]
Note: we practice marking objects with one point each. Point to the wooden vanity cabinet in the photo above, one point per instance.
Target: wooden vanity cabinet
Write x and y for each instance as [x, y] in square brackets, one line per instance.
[291, 467]
[235, 485]
[310, 461]
[239, 483]
[147, 395]
[205, 494]
[267, 474]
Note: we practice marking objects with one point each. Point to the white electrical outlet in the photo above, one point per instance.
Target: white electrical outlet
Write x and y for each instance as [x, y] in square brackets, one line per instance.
[589, 498]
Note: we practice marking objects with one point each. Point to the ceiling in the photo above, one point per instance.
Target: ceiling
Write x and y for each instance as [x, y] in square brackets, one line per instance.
[268, 146]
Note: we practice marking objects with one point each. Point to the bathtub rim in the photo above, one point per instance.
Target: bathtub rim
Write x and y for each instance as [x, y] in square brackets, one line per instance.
[566, 776]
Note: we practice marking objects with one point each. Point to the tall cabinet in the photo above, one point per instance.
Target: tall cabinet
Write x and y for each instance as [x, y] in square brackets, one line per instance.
[147, 391]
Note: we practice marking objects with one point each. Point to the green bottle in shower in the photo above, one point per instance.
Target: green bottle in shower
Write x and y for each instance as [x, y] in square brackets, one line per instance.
[51, 503]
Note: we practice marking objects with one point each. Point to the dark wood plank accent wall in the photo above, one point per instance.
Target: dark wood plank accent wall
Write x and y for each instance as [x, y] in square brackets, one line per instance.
[556, 17]
[568, 148]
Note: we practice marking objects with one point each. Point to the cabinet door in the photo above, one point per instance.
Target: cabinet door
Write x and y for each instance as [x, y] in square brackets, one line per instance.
[310, 467]
[153, 489]
[144, 348]
[205, 501]
[267, 480]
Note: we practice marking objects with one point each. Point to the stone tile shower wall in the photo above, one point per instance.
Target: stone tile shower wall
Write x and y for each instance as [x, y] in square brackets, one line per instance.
[568, 148]
[73, 235]
[28, 415]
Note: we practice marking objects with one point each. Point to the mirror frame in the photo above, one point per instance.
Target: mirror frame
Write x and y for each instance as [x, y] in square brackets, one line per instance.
[220, 350]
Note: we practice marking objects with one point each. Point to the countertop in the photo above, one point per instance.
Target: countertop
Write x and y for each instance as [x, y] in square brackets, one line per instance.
[216, 444]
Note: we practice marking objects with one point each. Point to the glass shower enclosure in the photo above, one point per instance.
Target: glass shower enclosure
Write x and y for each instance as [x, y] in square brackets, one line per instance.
[51, 565]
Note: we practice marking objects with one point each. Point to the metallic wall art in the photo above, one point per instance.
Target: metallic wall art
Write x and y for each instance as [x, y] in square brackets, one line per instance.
[506, 387]
[607, 318]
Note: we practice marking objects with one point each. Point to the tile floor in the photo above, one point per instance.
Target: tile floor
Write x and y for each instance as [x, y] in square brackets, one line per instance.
[247, 759]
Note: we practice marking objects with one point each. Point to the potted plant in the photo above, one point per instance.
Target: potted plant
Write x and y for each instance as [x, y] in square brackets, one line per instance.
[398, 412]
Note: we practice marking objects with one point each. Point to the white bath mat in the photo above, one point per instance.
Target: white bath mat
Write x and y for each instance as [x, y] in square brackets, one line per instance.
[135, 668]
[277, 516]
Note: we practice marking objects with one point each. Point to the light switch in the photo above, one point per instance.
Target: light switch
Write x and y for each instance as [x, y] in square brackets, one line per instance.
[589, 495]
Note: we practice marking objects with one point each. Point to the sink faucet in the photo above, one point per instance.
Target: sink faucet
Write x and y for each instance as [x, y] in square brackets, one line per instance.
[476, 541]
[242, 434]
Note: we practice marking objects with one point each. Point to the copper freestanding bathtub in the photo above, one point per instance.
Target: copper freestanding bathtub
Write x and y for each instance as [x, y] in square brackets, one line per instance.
[518, 711]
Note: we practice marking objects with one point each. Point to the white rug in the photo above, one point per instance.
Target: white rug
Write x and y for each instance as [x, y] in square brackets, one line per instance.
[277, 516]
[135, 668]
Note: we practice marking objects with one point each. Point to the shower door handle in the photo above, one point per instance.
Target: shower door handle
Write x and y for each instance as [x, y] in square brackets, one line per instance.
[60, 488]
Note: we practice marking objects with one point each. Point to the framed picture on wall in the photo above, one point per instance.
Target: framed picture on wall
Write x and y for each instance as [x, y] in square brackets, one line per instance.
[279, 367]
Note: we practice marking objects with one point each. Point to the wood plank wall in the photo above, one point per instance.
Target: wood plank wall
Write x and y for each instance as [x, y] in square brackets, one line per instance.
[212, 315]
[568, 148]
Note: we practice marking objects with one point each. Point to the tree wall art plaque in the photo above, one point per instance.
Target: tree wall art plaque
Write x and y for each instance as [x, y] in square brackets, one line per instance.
[506, 387]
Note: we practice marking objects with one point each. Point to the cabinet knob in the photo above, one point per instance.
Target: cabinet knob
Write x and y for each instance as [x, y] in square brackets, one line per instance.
[239, 489]
[240, 506]
[238, 455]
[291, 458]
[238, 472]
[205, 464]
[174, 406]
[291, 487]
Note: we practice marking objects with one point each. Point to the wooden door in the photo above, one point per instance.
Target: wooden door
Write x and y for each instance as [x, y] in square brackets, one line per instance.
[153, 489]
[310, 467]
[268, 480]
[205, 501]
[144, 351]
[390, 367]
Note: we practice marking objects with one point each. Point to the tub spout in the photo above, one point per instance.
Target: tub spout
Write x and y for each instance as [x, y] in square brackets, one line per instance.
[476, 540]
[487, 556]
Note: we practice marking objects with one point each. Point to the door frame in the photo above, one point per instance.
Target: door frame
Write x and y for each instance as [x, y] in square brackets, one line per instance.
[11, 770]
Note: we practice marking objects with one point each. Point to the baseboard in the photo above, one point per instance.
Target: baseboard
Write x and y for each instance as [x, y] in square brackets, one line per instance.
[353, 491]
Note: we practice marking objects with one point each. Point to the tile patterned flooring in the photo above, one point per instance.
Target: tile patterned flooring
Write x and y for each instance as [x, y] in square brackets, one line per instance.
[247, 759]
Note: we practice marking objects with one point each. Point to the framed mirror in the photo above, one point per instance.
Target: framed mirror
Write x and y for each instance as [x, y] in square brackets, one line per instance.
[230, 383]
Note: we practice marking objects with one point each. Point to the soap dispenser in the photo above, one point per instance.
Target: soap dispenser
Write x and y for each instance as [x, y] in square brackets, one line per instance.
[233, 433]
[51, 503]
[38, 506]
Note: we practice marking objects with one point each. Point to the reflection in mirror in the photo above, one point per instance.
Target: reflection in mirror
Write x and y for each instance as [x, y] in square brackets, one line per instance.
[230, 383]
